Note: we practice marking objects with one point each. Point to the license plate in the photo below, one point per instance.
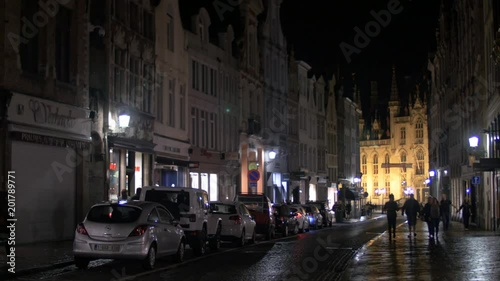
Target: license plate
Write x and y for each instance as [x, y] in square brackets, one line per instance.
[107, 248]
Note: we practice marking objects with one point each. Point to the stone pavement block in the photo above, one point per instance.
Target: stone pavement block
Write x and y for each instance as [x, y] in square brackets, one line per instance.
[457, 254]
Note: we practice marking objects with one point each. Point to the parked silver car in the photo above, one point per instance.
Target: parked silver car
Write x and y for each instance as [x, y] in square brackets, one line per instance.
[133, 230]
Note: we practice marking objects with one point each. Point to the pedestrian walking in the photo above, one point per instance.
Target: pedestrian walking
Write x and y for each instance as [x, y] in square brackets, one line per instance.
[411, 207]
[137, 195]
[466, 213]
[432, 216]
[391, 208]
[124, 194]
[445, 208]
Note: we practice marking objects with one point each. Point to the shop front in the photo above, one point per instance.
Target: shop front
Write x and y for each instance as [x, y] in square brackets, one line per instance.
[47, 145]
[171, 162]
[214, 174]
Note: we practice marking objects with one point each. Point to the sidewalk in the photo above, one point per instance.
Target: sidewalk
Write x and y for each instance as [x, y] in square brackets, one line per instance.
[458, 254]
[38, 256]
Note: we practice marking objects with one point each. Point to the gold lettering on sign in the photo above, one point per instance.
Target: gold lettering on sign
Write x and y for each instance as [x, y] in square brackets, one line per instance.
[48, 114]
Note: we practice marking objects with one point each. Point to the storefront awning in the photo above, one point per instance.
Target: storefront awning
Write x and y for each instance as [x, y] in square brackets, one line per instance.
[170, 161]
[131, 144]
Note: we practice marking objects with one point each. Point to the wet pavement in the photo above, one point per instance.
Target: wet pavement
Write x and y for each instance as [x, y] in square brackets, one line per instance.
[352, 250]
[457, 254]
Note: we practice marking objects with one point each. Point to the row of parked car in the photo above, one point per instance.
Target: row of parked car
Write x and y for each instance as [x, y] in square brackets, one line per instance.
[165, 220]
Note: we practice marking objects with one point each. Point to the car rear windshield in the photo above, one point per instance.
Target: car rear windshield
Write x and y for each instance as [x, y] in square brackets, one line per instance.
[174, 201]
[225, 209]
[253, 203]
[114, 214]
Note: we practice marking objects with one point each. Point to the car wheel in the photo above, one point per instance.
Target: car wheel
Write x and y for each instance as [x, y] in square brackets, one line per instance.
[285, 231]
[241, 241]
[254, 237]
[200, 249]
[215, 242]
[150, 260]
[82, 263]
[179, 256]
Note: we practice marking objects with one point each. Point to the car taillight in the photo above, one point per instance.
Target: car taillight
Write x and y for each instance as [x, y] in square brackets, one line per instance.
[138, 231]
[236, 219]
[81, 229]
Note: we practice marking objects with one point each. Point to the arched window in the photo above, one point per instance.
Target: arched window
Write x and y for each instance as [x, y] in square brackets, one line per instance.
[387, 161]
[420, 162]
[403, 136]
[375, 164]
[403, 157]
[419, 130]
[363, 165]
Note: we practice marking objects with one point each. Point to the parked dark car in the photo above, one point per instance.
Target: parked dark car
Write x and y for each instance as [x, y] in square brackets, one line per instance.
[327, 213]
[285, 221]
[261, 209]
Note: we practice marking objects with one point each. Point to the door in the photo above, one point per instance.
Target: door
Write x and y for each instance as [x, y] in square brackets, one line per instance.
[154, 219]
[169, 231]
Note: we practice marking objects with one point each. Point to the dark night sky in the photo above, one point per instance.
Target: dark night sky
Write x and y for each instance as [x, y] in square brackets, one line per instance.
[316, 28]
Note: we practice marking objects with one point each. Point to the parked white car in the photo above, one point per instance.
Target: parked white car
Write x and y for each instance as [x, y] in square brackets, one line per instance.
[237, 223]
[190, 207]
[134, 230]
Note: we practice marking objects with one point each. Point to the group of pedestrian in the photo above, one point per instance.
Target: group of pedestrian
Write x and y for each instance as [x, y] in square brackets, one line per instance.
[433, 212]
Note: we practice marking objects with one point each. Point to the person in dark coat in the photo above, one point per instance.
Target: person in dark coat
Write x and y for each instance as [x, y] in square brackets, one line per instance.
[466, 212]
[137, 195]
[445, 208]
[391, 208]
[411, 208]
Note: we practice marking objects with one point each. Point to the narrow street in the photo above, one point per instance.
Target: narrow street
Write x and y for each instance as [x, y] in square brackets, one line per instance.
[317, 255]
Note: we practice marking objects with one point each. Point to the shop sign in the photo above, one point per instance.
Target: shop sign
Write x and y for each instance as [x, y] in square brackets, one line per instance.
[48, 114]
[48, 140]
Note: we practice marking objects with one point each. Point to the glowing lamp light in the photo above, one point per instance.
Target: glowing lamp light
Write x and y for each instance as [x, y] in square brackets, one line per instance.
[473, 141]
[432, 173]
[272, 154]
[123, 120]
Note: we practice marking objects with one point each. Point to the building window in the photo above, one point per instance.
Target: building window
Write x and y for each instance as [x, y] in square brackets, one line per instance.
[29, 51]
[203, 129]
[149, 25]
[182, 105]
[420, 163]
[403, 157]
[419, 130]
[201, 32]
[363, 165]
[63, 44]
[403, 136]
[120, 90]
[195, 76]
[387, 187]
[148, 88]
[375, 164]
[251, 49]
[159, 101]
[387, 161]
[135, 22]
[213, 82]
[194, 126]
[204, 79]
[135, 87]
[171, 102]
[120, 10]
[170, 32]
[213, 130]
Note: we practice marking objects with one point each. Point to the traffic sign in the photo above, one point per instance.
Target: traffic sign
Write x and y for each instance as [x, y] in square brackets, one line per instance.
[475, 180]
[253, 176]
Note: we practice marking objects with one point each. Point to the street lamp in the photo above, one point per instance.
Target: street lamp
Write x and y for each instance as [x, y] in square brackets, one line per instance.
[432, 173]
[123, 120]
[473, 141]
[272, 154]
